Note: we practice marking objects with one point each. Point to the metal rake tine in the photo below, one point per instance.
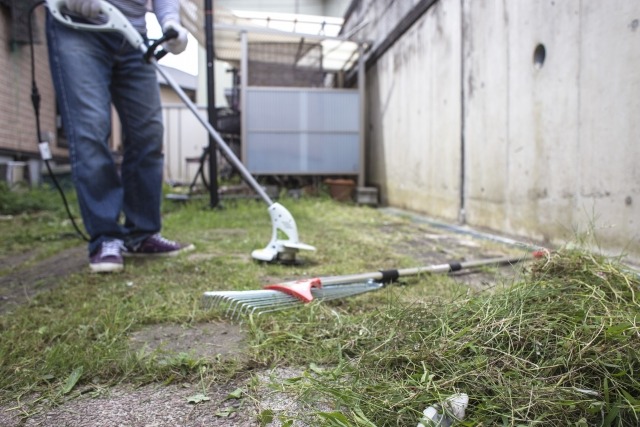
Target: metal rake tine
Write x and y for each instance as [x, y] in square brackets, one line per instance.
[238, 302]
[218, 298]
[250, 296]
[284, 300]
[214, 298]
[223, 297]
[271, 301]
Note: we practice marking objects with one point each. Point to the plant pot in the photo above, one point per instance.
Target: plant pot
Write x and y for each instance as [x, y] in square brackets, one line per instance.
[341, 189]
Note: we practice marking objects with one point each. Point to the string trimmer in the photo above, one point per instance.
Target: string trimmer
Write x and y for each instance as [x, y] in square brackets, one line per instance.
[282, 221]
[282, 296]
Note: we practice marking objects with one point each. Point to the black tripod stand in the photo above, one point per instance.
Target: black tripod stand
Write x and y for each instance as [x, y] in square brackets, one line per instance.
[226, 171]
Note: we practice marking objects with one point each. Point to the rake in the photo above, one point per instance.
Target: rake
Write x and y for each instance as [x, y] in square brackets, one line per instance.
[286, 295]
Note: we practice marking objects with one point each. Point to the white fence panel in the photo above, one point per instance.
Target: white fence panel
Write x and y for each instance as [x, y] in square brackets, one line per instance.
[184, 138]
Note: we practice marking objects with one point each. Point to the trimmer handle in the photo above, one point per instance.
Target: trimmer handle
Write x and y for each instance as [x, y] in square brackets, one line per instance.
[116, 21]
[151, 51]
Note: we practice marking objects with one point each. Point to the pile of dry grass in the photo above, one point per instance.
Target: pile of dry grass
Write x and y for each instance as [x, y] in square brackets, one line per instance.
[560, 348]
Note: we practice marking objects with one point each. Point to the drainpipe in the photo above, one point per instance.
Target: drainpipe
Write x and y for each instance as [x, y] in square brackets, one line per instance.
[214, 199]
[462, 216]
[362, 119]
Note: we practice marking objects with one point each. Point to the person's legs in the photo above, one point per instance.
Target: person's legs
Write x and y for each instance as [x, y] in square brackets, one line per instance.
[81, 64]
[91, 70]
[136, 97]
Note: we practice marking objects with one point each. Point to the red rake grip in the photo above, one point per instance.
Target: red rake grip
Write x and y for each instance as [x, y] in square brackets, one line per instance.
[300, 289]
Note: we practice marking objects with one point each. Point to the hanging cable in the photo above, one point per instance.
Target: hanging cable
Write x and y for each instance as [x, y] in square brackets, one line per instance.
[43, 146]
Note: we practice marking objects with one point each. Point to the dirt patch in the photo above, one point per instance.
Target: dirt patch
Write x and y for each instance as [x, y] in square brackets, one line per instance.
[151, 405]
[24, 282]
[207, 341]
[159, 406]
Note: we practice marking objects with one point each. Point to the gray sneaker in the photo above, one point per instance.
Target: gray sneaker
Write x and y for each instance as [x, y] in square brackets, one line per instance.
[157, 246]
[108, 258]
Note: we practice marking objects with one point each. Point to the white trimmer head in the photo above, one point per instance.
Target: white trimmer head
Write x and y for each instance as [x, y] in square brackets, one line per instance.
[278, 249]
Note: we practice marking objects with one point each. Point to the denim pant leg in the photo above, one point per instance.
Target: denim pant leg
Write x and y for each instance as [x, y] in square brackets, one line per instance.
[136, 97]
[81, 66]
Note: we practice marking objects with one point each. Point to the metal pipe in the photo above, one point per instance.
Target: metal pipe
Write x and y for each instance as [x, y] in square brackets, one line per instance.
[214, 198]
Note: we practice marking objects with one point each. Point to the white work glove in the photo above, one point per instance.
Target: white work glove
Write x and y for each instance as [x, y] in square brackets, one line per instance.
[85, 8]
[179, 44]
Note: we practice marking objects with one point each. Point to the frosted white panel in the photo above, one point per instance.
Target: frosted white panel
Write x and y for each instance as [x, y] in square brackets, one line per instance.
[302, 131]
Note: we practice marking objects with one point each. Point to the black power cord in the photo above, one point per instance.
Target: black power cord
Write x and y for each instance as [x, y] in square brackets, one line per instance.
[45, 152]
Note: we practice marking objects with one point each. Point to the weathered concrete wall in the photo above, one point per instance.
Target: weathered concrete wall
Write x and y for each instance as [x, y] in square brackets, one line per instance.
[521, 120]
[551, 149]
[466, 121]
[413, 116]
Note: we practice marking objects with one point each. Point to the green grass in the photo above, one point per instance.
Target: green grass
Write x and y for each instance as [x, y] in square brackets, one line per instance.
[560, 345]
[560, 348]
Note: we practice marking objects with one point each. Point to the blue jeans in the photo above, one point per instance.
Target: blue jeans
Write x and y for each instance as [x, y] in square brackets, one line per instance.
[91, 71]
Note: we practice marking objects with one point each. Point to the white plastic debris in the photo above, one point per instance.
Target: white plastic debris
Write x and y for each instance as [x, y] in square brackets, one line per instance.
[454, 408]
[431, 418]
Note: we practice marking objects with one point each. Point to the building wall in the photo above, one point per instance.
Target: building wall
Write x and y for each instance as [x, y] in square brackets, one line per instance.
[466, 123]
[18, 135]
[562, 135]
[413, 94]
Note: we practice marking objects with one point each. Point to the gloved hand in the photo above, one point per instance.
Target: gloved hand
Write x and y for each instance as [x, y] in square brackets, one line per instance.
[85, 8]
[178, 44]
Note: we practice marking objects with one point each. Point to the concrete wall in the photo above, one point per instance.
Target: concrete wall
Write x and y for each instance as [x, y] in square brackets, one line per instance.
[466, 121]
[413, 117]
[551, 148]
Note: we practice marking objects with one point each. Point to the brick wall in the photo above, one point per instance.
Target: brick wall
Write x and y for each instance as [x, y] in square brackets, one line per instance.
[17, 118]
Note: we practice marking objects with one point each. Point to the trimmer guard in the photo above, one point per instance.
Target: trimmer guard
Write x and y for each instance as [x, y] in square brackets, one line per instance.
[283, 249]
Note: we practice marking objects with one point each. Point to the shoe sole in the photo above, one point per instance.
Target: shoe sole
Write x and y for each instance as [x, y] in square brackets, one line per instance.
[106, 267]
[159, 254]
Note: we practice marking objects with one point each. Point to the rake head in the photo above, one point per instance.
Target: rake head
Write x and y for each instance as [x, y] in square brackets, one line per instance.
[276, 297]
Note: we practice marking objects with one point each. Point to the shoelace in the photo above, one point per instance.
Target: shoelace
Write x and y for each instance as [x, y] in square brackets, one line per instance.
[112, 248]
[161, 239]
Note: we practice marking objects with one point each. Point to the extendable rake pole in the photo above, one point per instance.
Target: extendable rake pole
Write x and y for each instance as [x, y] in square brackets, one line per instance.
[281, 296]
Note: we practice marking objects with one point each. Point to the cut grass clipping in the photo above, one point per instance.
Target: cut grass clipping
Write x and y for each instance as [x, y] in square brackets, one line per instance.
[561, 348]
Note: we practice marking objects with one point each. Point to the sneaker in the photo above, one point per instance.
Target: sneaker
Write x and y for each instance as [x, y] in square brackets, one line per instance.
[157, 245]
[108, 258]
